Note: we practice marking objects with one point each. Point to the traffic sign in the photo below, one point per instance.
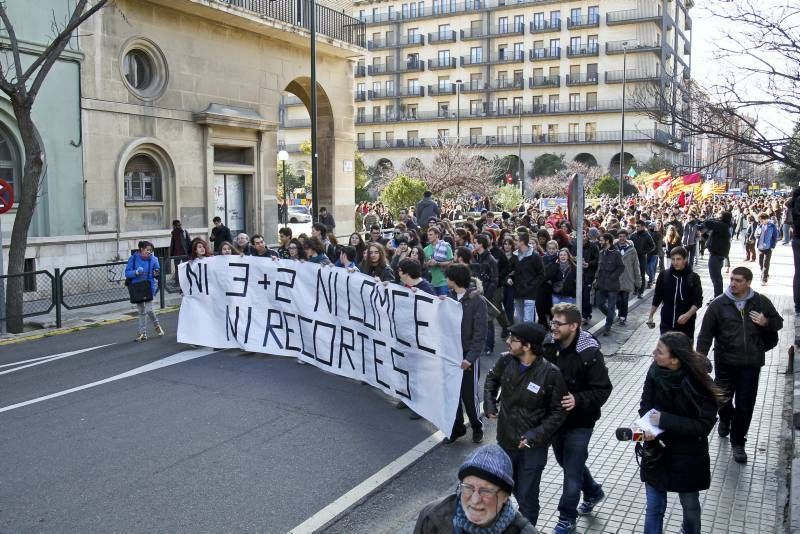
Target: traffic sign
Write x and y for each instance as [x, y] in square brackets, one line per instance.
[575, 201]
[6, 196]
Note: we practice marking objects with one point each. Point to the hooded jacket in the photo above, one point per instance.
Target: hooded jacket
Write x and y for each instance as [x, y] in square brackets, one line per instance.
[629, 280]
[677, 291]
[426, 209]
[474, 321]
[609, 269]
[718, 242]
[528, 275]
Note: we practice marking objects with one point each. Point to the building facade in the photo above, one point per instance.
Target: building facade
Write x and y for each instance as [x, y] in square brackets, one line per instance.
[529, 77]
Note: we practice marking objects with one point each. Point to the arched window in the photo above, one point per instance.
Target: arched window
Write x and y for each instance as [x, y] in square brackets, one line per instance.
[142, 180]
[9, 159]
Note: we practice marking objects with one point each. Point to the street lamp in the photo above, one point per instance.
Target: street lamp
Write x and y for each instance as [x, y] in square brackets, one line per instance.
[458, 111]
[622, 133]
[282, 157]
[313, 111]
[519, 152]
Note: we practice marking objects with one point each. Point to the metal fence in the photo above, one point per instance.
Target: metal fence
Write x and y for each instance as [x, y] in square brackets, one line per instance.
[39, 289]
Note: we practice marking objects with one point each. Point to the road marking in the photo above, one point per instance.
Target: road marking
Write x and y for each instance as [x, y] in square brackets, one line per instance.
[180, 357]
[47, 359]
[357, 494]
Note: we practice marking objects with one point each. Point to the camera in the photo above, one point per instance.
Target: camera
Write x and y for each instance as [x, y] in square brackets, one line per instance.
[629, 434]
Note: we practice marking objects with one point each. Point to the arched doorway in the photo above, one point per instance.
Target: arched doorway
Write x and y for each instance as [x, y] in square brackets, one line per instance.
[628, 162]
[587, 159]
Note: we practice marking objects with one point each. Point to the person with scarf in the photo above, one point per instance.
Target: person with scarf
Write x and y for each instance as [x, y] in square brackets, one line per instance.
[743, 325]
[481, 503]
[680, 401]
[562, 275]
[680, 291]
[766, 235]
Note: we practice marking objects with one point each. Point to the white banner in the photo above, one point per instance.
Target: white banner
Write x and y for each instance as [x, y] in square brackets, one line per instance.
[406, 344]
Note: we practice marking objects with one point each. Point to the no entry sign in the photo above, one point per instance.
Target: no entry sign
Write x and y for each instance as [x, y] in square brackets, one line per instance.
[6, 196]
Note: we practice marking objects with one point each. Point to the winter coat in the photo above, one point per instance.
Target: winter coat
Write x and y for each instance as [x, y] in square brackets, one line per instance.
[630, 279]
[529, 404]
[474, 321]
[485, 268]
[643, 243]
[148, 267]
[505, 268]
[563, 283]
[437, 518]
[770, 239]
[385, 273]
[738, 341]
[689, 236]
[719, 239]
[528, 275]
[591, 255]
[609, 269]
[179, 238]
[426, 209]
[688, 414]
[586, 377]
[220, 234]
[678, 291]
[328, 221]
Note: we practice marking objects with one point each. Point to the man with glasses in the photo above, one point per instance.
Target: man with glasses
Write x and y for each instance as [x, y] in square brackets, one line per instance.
[577, 354]
[743, 325]
[481, 503]
[528, 409]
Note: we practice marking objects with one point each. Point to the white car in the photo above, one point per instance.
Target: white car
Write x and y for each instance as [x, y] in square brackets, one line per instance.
[299, 214]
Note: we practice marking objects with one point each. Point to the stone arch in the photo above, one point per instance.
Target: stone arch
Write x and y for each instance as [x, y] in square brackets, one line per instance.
[384, 163]
[587, 159]
[628, 162]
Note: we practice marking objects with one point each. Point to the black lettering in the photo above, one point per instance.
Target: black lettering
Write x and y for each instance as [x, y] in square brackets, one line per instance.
[345, 347]
[243, 292]
[375, 343]
[349, 303]
[381, 300]
[198, 277]
[279, 284]
[364, 338]
[327, 294]
[336, 294]
[403, 294]
[418, 323]
[332, 328]
[233, 328]
[289, 346]
[407, 392]
[364, 305]
[302, 320]
[271, 327]
[264, 282]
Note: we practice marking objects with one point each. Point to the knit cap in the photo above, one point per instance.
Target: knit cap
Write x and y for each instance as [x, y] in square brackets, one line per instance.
[492, 464]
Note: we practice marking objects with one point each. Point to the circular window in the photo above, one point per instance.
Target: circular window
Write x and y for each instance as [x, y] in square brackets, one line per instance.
[144, 69]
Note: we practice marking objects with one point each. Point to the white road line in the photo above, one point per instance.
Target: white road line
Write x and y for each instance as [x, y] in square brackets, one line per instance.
[47, 359]
[180, 357]
[352, 497]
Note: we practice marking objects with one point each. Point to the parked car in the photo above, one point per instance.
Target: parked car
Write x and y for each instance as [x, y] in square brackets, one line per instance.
[299, 214]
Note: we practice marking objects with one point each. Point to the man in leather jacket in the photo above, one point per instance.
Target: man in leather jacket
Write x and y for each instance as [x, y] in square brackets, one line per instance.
[528, 410]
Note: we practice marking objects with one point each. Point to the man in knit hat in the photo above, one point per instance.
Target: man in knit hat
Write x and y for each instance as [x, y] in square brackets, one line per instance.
[528, 409]
[482, 501]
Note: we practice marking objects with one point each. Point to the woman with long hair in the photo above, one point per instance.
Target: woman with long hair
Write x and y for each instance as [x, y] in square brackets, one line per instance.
[200, 249]
[376, 264]
[562, 275]
[296, 250]
[416, 253]
[357, 242]
[227, 249]
[680, 399]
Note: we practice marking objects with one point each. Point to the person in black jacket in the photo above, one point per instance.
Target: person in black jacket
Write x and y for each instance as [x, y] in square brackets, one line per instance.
[485, 269]
[528, 277]
[591, 256]
[577, 354]
[680, 400]
[609, 271]
[718, 243]
[527, 408]
[644, 245]
[793, 208]
[741, 323]
[219, 234]
[680, 291]
[562, 276]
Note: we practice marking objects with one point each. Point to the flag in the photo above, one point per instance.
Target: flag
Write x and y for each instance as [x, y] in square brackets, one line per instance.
[632, 173]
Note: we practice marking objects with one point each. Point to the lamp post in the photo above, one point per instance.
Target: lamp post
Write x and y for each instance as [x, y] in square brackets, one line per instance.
[282, 157]
[622, 133]
[313, 110]
[519, 152]
[458, 111]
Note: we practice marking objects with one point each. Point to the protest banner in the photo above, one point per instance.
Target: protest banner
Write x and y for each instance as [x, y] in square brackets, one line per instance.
[407, 344]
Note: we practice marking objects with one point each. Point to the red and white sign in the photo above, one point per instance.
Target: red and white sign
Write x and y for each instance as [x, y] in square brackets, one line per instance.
[6, 196]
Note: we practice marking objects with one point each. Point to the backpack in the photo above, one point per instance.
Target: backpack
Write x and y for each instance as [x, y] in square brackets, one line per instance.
[768, 337]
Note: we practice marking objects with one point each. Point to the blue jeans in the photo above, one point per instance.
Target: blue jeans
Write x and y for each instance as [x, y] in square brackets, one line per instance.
[652, 263]
[657, 505]
[489, 346]
[528, 466]
[525, 310]
[567, 300]
[796, 282]
[607, 302]
[441, 290]
[571, 449]
[715, 272]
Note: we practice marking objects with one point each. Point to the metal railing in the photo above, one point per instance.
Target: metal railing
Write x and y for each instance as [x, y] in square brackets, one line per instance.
[39, 288]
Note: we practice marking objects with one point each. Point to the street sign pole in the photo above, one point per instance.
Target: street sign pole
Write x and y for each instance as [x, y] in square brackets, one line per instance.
[575, 206]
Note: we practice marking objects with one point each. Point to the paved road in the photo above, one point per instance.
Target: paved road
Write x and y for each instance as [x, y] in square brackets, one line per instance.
[224, 442]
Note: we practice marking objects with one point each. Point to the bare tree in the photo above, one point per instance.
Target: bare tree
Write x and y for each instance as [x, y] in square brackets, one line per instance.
[457, 169]
[22, 85]
[760, 48]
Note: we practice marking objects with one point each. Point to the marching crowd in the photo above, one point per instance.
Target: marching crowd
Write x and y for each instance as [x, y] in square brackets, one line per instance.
[516, 267]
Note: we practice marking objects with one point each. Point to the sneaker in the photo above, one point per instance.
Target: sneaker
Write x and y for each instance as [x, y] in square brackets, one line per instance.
[477, 436]
[739, 456]
[588, 505]
[159, 331]
[621, 321]
[452, 439]
[140, 338]
[606, 331]
[724, 428]
[564, 527]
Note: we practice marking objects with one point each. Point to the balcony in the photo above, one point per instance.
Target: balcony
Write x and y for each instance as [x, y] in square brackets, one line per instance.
[589, 21]
[508, 57]
[295, 123]
[410, 92]
[631, 47]
[381, 44]
[544, 54]
[545, 26]
[443, 63]
[360, 96]
[442, 37]
[411, 66]
[468, 61]
[436, 90]
[473, 34]
[581, 79]
[474, 87]
[616, 76]
[535, 82]
[509, 29]
[406, 41]
[360, 71]
[587, 50]
[633, 16]
[381, 94]
[376, 70]
[687, 74]
[506, 84]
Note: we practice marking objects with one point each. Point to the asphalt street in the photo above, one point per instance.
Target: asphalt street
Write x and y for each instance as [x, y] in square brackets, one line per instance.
[226, 441]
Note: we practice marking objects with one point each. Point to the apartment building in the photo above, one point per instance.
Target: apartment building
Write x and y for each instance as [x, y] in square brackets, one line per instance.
[528, 76]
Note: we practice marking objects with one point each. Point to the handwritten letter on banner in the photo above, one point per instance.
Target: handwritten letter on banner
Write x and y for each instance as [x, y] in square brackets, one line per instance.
[406, 344]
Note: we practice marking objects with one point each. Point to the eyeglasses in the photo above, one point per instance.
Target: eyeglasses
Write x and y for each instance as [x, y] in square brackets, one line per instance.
[485, 494]
[557, 323]
[292, 247]
[513, 339]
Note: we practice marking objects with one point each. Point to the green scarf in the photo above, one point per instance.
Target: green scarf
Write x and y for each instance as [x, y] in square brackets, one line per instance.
[666, 378]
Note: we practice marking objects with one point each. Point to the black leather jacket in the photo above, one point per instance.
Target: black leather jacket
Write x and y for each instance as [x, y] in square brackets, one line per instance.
[529, 403]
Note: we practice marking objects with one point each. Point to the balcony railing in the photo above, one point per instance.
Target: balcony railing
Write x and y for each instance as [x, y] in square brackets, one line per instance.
[543, 54]
[374, 70]
[407, 92]
[296, 123]
[411, 66]
[517, 56]
[633, 16]
[471, 60]
[435, 90]
[443, 63]
[632, 47]
[616, 76]
[546, 26]
[328, 21]
[507, 84]
[585, 50]
[544, 81]
[581, 79]
[360, 71]
[589, 21]
[408, 40]
[471, 34]
[509, 29]
[442, 37]
[360, 96]
[381, 94]
[474, 87]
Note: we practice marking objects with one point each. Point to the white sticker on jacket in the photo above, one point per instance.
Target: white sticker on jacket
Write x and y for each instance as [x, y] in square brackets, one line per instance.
[533, 388]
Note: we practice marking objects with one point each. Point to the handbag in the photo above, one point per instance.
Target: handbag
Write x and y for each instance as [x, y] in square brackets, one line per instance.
[140, 290]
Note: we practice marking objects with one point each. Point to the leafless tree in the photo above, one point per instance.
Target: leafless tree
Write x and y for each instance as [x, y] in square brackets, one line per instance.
[458, 169]
[21, 82]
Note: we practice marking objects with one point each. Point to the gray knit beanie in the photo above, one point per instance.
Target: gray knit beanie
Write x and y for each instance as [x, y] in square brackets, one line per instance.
[490, 463]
